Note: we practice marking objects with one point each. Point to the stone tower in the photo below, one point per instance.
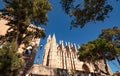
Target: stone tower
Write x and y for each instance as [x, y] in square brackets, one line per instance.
[46, 51]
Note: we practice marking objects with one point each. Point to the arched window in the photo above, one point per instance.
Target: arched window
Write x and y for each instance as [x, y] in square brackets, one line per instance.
[85, 68]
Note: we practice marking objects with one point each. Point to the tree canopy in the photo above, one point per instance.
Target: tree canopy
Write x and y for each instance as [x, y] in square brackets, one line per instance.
[23, 13]
[112, 35]
[29, 11]
[105, 47]
[85, 11]
[98, 49]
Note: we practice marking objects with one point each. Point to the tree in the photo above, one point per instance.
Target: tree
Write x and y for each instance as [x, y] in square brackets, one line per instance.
[85, 11]
[112, 35]
[23, 13]
[106, 47]
[9, 60]
[97, 50]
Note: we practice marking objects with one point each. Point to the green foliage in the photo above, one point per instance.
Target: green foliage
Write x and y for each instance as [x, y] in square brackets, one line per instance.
[107, 46]
[85, 11]
[22, 13]
[112, 35]
[99, 49]
[9, 60]
[25, 12]
[96, 50]
[85, 52]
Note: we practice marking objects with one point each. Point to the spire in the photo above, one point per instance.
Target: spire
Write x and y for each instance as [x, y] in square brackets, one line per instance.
[69, 46]
[54, 38]
[46, 51]
[62, 44]
[78, 46]
[75, 47]
[53, 43]
[65, 43]
[49, 38]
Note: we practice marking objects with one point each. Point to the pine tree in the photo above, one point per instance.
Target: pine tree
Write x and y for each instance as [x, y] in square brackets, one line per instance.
[112, 35]
[105, 47]
[85, 11]
[9, 60]
[23, 13]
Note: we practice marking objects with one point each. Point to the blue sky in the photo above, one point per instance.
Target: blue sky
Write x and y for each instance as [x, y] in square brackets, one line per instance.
[59, 23]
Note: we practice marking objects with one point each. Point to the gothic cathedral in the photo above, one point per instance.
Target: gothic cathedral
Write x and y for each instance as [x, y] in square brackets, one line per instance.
[63, 60]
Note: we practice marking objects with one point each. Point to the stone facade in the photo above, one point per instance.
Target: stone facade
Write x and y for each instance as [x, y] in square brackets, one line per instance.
[58, 56]
[59, 59]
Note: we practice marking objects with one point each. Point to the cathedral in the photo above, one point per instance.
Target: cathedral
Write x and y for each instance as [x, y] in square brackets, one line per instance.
[60, 60]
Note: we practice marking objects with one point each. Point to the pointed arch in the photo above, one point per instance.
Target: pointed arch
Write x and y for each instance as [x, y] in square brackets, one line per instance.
[85, 68]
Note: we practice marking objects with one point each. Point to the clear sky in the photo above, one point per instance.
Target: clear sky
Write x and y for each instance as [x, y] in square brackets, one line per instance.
[59, 23]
